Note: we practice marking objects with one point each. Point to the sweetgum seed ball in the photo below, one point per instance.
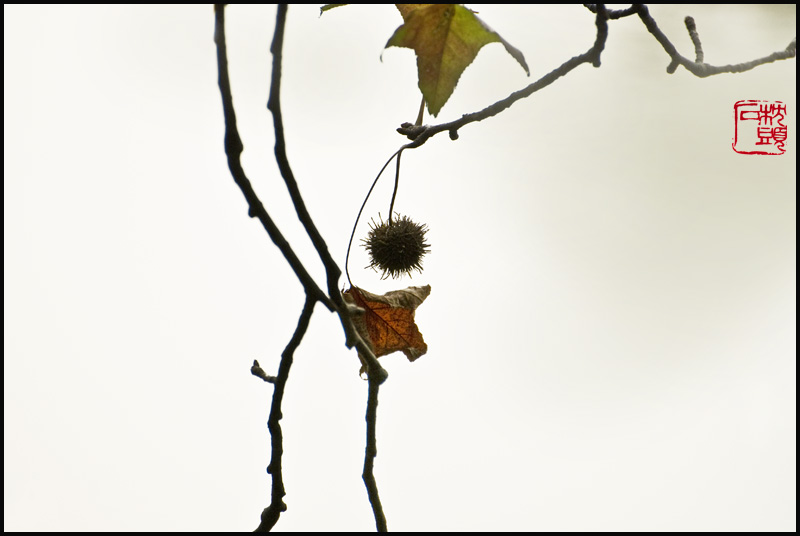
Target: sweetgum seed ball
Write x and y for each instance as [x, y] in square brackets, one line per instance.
[396, 248]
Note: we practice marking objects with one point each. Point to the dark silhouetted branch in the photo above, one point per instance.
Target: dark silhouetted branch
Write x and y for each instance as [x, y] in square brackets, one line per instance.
[331, 268]
[258, 372]
[271, 513]
[614, 14]
[691, 27]
[234, 148]
[274, 105]
[369, 457]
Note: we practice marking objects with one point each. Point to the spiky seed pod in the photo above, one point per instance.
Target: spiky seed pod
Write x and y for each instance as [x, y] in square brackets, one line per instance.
[397, 248]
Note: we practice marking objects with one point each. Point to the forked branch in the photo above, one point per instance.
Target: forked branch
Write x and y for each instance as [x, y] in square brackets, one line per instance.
[698, 67]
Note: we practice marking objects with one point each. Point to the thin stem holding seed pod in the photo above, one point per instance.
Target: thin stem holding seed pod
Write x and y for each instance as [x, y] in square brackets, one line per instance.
[396, 184]
[355, 225]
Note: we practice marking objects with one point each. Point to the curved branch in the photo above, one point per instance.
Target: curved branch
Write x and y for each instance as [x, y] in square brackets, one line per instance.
[698, 68]
[331, 268]
[233, 150]
[332, 271]
[691, 27]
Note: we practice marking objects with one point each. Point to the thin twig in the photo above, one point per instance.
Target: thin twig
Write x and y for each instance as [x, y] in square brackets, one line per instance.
[258, 372]
[358, 216]
[369, 456]
[396, 184]
[332, 270]
[698, 68]
[272, 512]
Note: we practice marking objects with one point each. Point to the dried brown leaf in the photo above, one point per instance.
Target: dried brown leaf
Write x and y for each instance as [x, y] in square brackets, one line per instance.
[387, 322]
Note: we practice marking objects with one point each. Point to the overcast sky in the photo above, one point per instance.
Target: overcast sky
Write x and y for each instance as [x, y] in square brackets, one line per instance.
[611, 327]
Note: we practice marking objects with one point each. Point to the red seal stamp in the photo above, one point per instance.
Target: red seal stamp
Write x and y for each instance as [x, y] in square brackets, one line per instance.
[759, 127]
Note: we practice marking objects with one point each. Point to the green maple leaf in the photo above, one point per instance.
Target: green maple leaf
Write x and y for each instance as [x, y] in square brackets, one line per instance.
[446, 38]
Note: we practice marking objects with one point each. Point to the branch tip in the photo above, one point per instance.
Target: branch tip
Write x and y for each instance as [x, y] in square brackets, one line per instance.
[691, 27]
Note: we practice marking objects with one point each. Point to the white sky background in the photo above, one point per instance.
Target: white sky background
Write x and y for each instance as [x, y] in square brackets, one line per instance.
[611, 324]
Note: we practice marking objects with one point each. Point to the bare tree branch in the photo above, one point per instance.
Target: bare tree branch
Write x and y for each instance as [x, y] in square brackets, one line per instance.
[271, 513]
[693, 35]
[614, 14]
[258, 372]
[274, 105]
[331, 268]
[698, 68]
[234, 148]
[369, 457]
